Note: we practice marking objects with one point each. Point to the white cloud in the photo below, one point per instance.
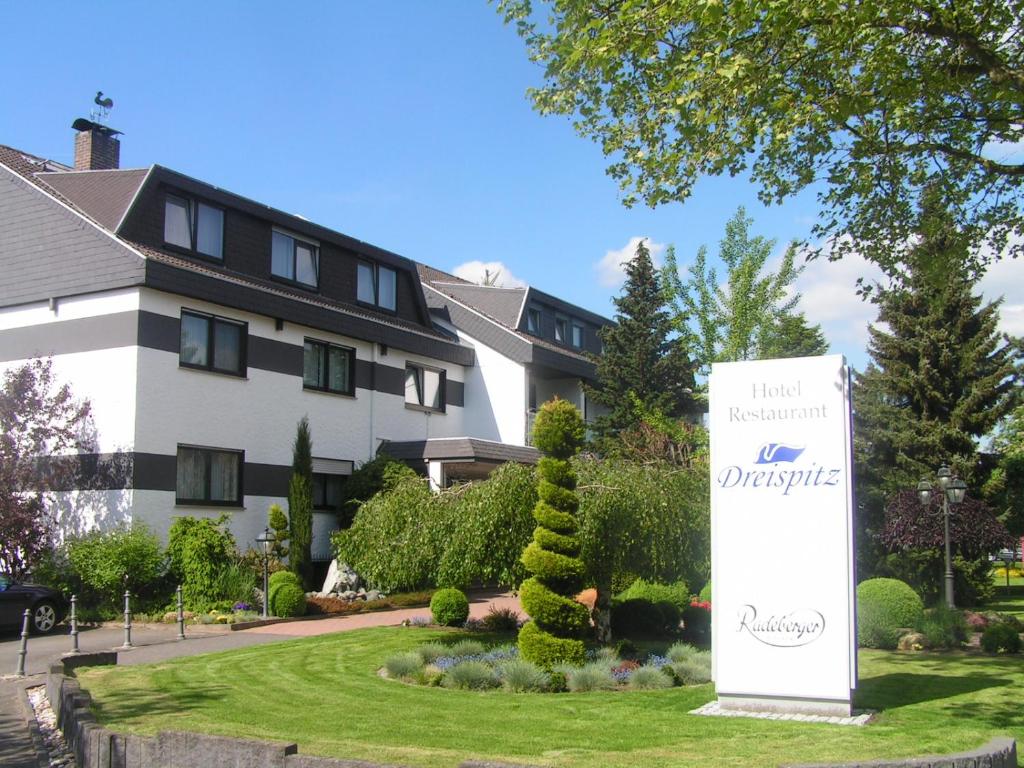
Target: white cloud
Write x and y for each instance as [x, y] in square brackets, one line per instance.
[477, 271]
[829, 297]
[1005, 279]
[610, 269]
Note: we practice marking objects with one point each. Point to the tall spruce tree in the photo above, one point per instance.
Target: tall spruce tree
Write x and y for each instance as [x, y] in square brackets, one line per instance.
[641, 365]
[300, 505]
[941, 376]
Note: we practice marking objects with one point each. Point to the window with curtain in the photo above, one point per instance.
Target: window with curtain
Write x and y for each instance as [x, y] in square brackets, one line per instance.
[294, 259]
[210, 476]
[326, 491]
[212, 343]
[194, 226]
[424, 387]
[328, 367]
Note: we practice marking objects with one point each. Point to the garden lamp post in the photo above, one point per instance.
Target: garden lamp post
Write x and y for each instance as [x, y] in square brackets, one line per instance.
[953, 490]
[266, 542]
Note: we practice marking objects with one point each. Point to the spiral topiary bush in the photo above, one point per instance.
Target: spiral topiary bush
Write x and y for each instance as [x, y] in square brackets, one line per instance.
[558, 621]
[884, 607]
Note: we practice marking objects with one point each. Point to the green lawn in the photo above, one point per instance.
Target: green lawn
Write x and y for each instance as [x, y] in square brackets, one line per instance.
[324, 693]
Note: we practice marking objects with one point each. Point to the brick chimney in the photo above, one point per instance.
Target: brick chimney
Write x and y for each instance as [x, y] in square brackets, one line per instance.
[97, 147]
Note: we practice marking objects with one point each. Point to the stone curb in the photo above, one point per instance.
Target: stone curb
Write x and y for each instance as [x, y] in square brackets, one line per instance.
[31, 724]
[1000, 752]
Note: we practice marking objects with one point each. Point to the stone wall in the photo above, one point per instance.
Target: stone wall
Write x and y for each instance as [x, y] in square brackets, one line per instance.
[998, 753]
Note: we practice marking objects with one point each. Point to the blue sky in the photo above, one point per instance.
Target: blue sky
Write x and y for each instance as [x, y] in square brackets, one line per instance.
[404, 124]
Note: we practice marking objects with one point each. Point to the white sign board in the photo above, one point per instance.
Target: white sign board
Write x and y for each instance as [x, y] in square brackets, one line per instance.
[782, 560]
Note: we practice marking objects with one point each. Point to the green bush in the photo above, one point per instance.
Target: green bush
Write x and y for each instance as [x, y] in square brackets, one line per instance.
[200, 549]
[520, 676]
[403, 666]
[1000, 637]
[884, 607]
[431, 652]
[287, 600]
[677, 593]
[449, 607]
[642, 618]
[693, 670]
[501, 620]
[558, 430]
[591, 677]
[682, 652]
[545, 650]
[557, 573]
[466, 648]
[471, 676]
[648, 678]
[236, 584]
[283, 577]
[490, 525]
[705, 593]
[943, 627]
[99, 561]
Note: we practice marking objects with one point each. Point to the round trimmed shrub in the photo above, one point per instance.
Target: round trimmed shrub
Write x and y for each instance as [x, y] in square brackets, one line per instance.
[884, 607]
[1000, 637]
[677, 593]
[287, 600]
[449, 607]
[283, 577]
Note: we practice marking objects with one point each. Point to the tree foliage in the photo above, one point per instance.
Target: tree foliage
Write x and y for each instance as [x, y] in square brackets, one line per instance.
[641, 362]
[279, 526]
[200, 549]
[750, 316]
[106, 563]
[940, 378]
[300, 505]
[973, 529]
[873, 101]
[1004, 489]
[39, 421]
[650, 520]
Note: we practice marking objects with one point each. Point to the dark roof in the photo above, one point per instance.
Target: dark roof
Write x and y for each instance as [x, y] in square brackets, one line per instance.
[459, 448]
[25, 164]
[429, 274]
[48, 251]
[502, 304]
[104, 195]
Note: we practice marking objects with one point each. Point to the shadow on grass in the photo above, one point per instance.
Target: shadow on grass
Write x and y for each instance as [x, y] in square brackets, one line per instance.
[137, 704]
[903, 689]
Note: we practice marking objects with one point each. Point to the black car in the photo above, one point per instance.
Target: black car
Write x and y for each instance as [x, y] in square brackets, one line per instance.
[48, 607]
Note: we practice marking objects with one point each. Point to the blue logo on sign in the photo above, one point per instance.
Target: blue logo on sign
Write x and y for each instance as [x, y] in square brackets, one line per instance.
[772, 453]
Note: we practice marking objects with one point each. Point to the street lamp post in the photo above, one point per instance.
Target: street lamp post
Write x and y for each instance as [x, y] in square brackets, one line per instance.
[266, 542]
[953, 490]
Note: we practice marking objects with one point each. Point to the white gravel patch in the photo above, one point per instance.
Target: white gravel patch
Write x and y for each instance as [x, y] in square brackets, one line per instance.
[56, 747]
[715, 709]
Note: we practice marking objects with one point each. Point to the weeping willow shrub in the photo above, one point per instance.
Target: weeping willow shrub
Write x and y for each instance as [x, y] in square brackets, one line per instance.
[650, 520]
[492, 525]
[399, 536]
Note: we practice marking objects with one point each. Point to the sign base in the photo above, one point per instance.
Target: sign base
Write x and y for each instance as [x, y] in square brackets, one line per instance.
[787, 706]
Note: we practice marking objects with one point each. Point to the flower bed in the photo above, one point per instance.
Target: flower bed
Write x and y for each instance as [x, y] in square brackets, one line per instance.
[470, 665]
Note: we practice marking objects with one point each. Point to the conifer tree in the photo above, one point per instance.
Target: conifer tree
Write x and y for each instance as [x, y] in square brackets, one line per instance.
[640, 363]
[300, 505]
[941, 376]
[557, 620]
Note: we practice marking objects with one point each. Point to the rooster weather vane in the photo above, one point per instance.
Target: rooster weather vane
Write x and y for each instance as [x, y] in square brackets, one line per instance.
[103, 107]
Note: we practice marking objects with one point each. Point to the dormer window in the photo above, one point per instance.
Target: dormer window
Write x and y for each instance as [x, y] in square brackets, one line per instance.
[295, 260]
[577, 335]
[561, 330]
[533, 321]
[194, 226]
[377, 285]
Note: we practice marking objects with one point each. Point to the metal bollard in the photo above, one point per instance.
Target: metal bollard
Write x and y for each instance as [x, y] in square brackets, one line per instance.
[181, 615]
[74, 624]
[127, 620]
[23, 650]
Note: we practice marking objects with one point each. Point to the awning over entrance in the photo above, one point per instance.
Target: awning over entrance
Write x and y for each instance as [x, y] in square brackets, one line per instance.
[462, 458]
